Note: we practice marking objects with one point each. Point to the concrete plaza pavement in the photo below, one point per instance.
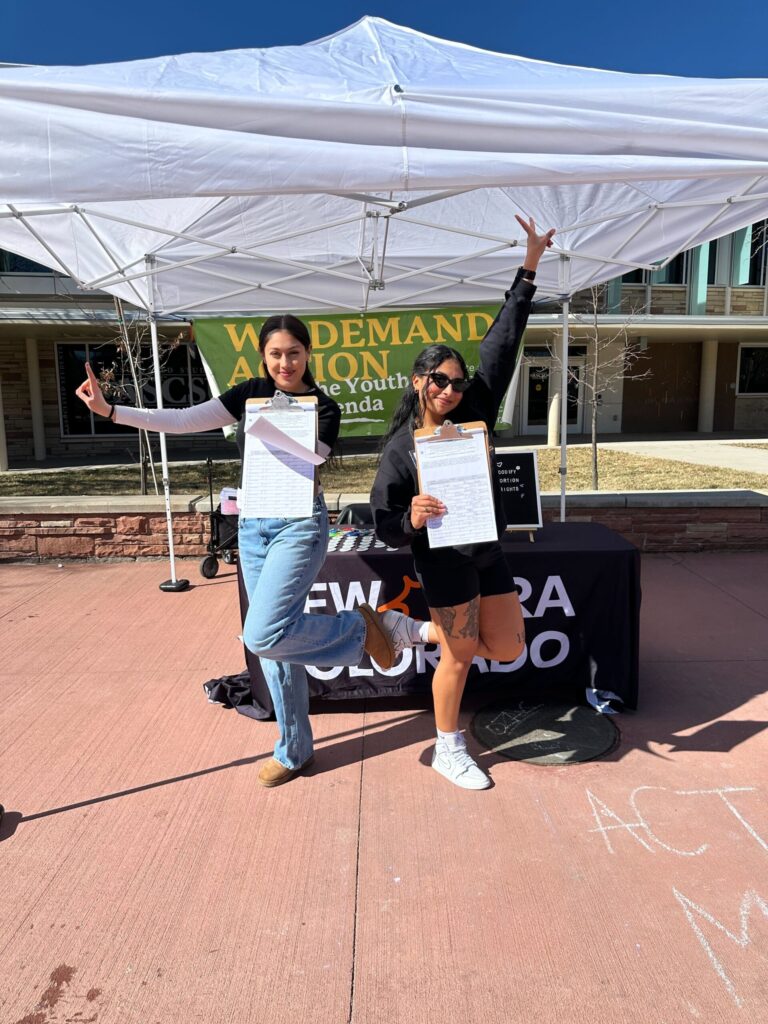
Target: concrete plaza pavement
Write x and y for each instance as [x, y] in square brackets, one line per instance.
[148, 879]
[727, 453]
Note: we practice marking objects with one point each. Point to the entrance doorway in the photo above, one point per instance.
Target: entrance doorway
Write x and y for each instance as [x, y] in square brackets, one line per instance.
[538, 373]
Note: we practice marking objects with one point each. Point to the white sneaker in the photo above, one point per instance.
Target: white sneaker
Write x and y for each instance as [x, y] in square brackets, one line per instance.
[457, 765]
[401, 629]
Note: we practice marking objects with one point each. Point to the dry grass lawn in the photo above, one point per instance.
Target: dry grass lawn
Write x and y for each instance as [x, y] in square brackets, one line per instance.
[619, 471]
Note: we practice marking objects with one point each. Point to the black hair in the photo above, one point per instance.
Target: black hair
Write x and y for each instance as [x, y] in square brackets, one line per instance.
[299, 330]
[412, 405]
[295, 327]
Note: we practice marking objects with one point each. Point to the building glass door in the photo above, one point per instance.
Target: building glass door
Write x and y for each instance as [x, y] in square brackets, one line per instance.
[538, 374]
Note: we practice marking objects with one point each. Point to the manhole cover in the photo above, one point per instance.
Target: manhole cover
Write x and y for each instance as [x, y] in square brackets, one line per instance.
[545, 733]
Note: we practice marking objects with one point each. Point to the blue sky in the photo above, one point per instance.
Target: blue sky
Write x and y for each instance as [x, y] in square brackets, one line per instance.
[688, 37]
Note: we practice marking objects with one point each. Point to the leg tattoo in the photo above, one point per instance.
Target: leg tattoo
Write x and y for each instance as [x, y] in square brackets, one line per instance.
[446, 617]
[469, 630]
[472, 625]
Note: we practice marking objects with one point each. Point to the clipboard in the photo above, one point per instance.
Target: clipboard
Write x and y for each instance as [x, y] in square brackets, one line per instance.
[280, 457]
[453, 464]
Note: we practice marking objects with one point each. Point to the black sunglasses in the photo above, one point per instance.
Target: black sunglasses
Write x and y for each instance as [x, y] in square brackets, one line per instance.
[442, 380]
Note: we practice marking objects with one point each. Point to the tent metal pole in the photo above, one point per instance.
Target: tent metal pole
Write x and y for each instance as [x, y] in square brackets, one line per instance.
[222, 246]
[565, 286]
[41, 241]
[109, 254]
[447, 263]
[173, 584]
[507, 243]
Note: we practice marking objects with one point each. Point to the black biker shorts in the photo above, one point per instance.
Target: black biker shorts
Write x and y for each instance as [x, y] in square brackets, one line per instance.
[449, 577]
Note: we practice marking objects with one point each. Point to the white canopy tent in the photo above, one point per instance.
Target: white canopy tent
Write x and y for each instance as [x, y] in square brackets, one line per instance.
[377, 167]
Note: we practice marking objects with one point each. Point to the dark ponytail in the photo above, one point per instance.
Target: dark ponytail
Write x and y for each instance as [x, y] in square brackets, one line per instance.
[295, 327]
[411, 407]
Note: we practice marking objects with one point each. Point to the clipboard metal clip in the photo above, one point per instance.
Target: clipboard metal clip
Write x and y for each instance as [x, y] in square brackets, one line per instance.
[281, 401]
[447, 431]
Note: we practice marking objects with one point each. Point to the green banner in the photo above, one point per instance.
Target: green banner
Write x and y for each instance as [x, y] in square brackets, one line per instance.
[363, 362]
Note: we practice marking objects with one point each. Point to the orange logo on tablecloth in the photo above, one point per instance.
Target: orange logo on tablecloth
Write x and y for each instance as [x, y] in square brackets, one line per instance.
[398, 603]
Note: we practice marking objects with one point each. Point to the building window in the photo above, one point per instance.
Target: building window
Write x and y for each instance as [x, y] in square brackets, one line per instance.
[758, 252]
[183, 383]
[675, 272]
[10, 263]
[633, 277]
[712, 269]
[753, 370]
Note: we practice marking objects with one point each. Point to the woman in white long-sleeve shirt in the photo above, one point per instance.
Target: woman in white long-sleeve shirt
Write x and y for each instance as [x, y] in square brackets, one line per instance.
[281, 558]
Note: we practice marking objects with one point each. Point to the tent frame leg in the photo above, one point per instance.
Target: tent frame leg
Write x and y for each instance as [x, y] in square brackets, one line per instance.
[173, 585]
[565, 274]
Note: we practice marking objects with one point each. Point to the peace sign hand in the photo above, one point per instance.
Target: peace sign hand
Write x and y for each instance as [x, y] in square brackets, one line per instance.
[90, 393]
[537, 243]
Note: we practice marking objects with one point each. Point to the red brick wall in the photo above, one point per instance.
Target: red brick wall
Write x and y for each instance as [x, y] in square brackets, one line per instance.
[142, 535]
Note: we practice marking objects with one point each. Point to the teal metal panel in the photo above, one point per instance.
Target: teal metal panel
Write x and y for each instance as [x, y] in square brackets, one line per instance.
[698, 262]
[740, 253]
[613, 295]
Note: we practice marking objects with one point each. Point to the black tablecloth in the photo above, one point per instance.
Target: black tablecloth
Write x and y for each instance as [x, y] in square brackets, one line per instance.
[579, 587]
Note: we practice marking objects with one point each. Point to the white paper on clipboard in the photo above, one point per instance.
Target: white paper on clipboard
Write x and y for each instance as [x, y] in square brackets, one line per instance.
[456, 470]
[279, 458]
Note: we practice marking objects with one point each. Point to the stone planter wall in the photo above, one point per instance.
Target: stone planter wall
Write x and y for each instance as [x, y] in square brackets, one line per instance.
[709, 528]
[40, 537]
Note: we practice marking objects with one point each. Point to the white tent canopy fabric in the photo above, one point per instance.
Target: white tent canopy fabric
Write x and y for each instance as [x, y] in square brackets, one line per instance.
[377, 167]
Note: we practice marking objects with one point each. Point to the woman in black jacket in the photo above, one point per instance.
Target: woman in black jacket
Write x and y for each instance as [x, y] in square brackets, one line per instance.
[469, 589]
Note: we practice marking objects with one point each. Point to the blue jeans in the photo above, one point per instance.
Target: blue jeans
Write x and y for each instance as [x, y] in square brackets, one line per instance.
[280, 559]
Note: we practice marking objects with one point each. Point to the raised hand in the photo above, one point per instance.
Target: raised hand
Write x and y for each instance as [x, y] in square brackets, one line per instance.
[537, 243]
[90, 393]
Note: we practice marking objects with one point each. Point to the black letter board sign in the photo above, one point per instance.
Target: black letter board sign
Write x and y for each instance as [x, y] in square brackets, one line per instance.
[519, 480]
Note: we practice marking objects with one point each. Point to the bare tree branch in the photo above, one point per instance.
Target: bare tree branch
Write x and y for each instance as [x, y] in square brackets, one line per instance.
[125, 380]
[612, 358]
